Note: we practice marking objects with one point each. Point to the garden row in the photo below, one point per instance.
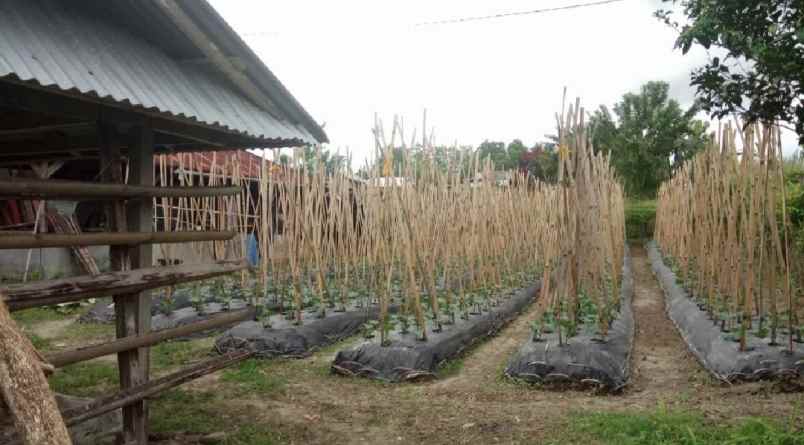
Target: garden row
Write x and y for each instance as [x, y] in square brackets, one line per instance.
[725, 260]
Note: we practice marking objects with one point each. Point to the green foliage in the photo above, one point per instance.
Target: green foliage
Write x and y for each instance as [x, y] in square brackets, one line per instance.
[498, 154]
[794, 193]
[650, 137]
[179, 410]
[664, 427]
[254, 376]
[640, 218]
[29, 317]
[200, 412]
[41, 344]
[253, 435]
[760, 76]
[175, 353]
[85, 379]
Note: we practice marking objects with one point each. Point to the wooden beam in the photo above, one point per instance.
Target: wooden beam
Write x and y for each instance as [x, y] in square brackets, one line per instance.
[65, 358]
[141, 392]
[23, 133]
[76, 190]
[133, 311]
[64, 290]
[24, 96]
[44, 240]
[103, 405]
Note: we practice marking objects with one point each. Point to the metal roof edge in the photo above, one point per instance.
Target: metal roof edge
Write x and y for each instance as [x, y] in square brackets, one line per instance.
[257, 71]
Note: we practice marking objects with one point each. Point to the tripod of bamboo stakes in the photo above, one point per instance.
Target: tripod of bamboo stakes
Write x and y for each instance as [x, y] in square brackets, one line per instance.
[722, 223]
[586, 247]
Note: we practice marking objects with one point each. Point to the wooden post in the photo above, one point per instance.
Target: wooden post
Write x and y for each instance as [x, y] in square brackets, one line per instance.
[137, 314]
[132, 312]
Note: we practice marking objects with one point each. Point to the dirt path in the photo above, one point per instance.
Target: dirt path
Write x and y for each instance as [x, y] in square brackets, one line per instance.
[477, 405]
[661, 363]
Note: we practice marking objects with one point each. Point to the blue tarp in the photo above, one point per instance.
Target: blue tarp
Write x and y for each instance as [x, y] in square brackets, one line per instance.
[252, 251]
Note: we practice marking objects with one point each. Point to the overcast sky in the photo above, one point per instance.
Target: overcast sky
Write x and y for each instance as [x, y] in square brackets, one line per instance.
[494, 79]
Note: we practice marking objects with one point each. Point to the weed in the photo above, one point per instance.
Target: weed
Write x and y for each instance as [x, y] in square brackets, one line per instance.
[666, 427]
[254, 376]
[175, 353]
[85, 379]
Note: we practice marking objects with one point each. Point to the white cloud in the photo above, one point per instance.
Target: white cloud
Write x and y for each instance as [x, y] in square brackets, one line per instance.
[497, 79]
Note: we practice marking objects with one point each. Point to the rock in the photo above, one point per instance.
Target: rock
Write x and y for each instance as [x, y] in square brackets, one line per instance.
[99, 430]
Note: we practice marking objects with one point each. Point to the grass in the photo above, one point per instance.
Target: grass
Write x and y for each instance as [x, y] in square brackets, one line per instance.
[666, 427]
[176, 353]
[640, 218]
[85, 379]
[255, 376]
[87, 331]
[179, 410]
[202, 412]
[29, 317]
[450, 368]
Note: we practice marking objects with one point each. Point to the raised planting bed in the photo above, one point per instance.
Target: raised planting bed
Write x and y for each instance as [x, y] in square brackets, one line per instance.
[716, 350]
[186, 296]
[583, 359]
[276, 335]
[406, 358]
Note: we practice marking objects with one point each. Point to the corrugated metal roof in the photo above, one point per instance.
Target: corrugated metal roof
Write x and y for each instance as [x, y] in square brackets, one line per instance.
[47, 43]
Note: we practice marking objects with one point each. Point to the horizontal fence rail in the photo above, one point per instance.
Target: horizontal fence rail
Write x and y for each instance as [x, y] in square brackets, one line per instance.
[77, 190]
[60, 359]
[65, 290]
[40, 240]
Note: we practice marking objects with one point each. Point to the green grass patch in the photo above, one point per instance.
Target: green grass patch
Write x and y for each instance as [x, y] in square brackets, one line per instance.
[253, 435]
[86, 331]
[204, 412]
[255, 376]
[41, 344]
[665, 427]
[640, 218]
[29, 317]
[176, 353]
[85, 379]
[450, 368]
[179, 410]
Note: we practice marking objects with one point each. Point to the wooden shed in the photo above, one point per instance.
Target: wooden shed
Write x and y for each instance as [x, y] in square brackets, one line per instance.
[112, 84]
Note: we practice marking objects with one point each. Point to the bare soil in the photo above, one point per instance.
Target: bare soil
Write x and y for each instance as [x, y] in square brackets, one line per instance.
[476, 404]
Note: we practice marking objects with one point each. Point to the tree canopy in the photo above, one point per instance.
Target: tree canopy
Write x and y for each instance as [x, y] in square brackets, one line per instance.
[762, 73]
[649, 138]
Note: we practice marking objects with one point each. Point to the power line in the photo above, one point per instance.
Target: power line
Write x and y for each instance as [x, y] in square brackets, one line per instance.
[515, 13]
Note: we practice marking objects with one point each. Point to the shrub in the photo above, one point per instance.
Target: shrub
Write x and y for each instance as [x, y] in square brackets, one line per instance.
[640, 218]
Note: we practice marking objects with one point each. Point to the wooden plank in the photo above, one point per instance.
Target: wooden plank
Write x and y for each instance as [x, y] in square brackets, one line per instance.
[26, 188]
[64, 290]
[141, 392]
[133, 311]
[44, 240]
[65, 358]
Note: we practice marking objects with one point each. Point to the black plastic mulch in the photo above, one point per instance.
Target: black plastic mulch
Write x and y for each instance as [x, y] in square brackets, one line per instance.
[283, 338]
[407, 359]
[583, 359]
[718, 354]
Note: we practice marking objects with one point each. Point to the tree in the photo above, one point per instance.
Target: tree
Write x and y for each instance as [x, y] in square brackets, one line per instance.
[651, 136]
[762, 73]
[496, 152]
[541, 162]
[314, 157]
[515, 151]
